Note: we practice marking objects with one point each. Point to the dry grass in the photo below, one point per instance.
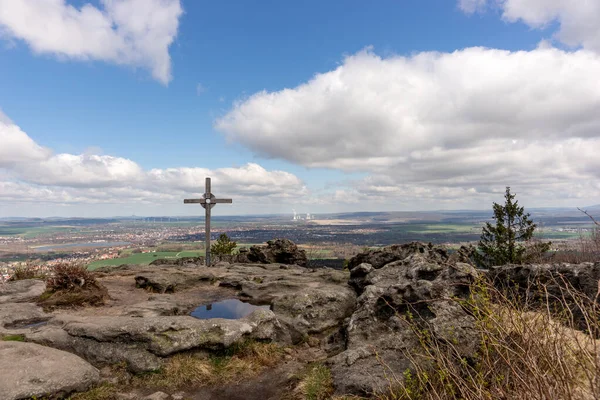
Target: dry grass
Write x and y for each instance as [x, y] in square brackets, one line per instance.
[315, 384]
[71, 285]
[28, 271]
[527, 351]
[185, 370]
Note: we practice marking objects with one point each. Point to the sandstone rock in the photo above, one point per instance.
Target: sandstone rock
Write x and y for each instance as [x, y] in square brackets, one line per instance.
[583, 277]
[529, 283]
[158, 281]
[137, 358]
[415, 279]
[282, 251]
[28, 370]
[156, 308]
[158, 396]
[21, 315]
[21, 291]
[141, 342]
[306, 301]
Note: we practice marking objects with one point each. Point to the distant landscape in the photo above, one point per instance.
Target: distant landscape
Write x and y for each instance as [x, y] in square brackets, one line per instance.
[140, 240]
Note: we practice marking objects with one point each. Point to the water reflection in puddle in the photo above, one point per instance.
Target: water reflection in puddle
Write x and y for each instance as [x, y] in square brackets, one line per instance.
[228, 309]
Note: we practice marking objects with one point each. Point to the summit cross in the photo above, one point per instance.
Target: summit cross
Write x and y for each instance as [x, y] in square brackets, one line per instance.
[207, 201]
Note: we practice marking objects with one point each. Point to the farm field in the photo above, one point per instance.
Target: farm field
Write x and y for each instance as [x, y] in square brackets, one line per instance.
[144, 258]
[31, 232]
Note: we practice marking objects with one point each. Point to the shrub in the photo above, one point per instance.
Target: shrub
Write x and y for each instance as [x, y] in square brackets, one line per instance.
[26, 272]
[68, 277]
[72, 285]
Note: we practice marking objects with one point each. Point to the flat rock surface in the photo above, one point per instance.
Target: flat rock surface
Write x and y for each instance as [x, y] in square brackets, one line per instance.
[15, 316]
[28, 370]
[21, 291]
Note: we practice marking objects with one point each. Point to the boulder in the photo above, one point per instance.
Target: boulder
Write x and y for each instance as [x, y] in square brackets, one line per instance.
[21, 291]
[282, 251]
[28, 370]
[406, 285]
[134, 355]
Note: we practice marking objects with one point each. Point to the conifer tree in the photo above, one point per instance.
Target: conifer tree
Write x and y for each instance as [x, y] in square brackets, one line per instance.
[504, 242]
[223, 245]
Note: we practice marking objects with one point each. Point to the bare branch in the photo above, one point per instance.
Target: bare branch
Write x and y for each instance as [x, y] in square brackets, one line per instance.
[592, 218]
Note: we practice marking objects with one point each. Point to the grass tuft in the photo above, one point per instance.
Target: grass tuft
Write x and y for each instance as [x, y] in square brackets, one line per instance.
[316, 384]
[13, 338]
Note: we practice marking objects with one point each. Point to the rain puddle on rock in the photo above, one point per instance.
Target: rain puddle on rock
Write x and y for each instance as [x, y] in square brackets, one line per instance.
[228, 309]
[27, 324]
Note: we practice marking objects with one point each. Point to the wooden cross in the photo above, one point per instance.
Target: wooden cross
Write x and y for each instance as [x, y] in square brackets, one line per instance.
[207, 201]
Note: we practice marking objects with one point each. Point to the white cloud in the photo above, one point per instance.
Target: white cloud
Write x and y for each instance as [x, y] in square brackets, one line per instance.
[579, 19]
[476, 118]
[472, 6]
[137, 33]
[31, 174]
[16, 146]
[200, 89]
[83, 170]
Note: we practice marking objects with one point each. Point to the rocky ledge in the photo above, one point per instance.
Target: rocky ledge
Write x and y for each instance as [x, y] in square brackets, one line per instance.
[359, 320]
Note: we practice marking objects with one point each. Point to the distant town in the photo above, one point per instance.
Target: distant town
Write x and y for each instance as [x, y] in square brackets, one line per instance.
[44, 243]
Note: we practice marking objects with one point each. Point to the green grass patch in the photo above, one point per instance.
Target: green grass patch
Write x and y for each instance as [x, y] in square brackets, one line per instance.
[144, 258]
[440, 228]
[13, 338]
[317, 383]
[31, 232]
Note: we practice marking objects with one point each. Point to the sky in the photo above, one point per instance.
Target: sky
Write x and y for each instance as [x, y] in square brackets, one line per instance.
[123, 107]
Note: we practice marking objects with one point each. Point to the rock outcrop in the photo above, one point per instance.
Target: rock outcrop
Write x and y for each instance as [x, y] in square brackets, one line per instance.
[585, 277]
[277, 251]
[305, 301]
[398, 286]
[29, 370]
[557, 284]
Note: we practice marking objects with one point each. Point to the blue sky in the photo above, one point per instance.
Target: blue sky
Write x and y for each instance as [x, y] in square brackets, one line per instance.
[233, 87]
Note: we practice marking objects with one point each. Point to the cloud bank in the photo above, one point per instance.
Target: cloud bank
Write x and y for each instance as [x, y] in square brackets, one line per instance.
[30, 173]
[135, 33]
[579, 21]
[476, 119]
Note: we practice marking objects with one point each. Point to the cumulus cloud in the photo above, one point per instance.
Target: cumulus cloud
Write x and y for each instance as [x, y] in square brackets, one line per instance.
[30, 173]
[475, 118]
[137, 33]
[579, 20]
[16, 146]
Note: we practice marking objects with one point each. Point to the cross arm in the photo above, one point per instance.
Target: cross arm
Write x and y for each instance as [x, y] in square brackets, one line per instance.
[212, 201]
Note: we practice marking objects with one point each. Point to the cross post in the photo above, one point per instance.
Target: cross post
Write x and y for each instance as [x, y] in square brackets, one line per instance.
[207, 201]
